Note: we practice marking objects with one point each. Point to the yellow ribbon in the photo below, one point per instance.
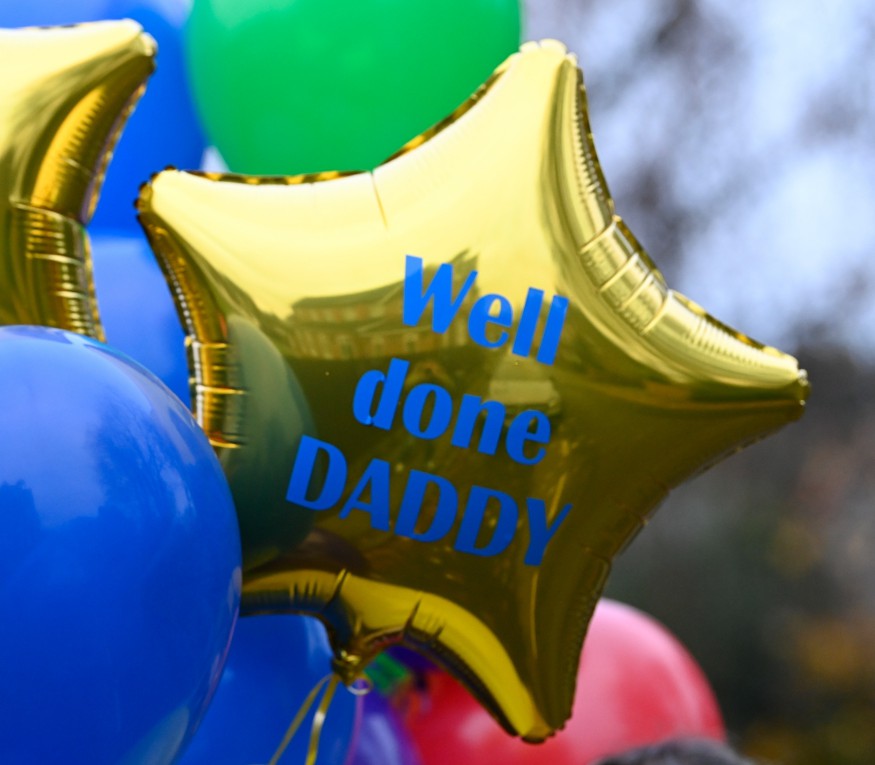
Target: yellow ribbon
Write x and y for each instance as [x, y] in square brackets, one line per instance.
[329, 682]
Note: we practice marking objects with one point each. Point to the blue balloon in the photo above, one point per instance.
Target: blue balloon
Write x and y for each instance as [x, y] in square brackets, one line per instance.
[274, 663]
[119, 557]
[383, 739]
[136, 308]
[164, 128]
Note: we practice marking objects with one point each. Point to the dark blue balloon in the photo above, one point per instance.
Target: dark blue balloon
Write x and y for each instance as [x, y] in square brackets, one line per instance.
[164, 128]
[274, 663]
[119, 557]
[383, 739]
[136, 308]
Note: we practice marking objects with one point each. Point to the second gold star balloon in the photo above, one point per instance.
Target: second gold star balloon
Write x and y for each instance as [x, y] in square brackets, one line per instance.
[447, 393]
[65, 93]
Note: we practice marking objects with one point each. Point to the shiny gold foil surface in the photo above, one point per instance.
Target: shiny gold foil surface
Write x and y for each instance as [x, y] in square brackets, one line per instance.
[448, 392]
[65, 93]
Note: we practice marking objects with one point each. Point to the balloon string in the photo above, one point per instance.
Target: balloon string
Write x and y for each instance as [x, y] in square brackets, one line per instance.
[299, 718]
[319, 720]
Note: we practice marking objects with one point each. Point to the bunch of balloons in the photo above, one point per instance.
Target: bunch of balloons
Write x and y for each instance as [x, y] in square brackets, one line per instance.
[415, 378]
[119, 549]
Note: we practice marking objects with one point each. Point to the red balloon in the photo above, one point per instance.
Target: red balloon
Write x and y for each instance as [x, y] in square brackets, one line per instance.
[636, 685]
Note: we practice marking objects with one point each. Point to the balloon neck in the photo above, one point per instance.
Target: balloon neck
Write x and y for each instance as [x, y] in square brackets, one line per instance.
[349, 667]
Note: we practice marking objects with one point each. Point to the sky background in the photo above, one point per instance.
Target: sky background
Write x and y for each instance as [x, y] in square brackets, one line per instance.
[737, 138]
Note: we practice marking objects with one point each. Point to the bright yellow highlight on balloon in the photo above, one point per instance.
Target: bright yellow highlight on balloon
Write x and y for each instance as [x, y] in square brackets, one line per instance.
[65, 93]
[447, 393]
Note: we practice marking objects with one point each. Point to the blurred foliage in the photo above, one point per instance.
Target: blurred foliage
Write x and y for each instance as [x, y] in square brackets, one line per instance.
[765, 566]
[764, 569]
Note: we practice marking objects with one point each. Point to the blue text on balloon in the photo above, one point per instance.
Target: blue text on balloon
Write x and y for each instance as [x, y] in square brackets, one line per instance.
[446, 307]
[529, 426]
[427, 413]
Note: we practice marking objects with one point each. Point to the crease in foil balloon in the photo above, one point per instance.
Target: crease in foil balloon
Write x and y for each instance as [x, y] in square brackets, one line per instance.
[448, 392]
[65, 93]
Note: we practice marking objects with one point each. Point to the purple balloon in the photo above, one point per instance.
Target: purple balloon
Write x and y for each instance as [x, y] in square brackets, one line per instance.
[383, 739]
[414, 661]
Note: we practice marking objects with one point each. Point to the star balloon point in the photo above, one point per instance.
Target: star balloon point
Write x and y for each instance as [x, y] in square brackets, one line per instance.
[65, 93]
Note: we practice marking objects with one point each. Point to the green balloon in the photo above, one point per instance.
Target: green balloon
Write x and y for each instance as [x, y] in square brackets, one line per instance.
[300, 86]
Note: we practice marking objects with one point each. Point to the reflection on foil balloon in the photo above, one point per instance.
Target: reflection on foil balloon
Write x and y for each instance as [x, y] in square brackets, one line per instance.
[496, 386]
[65, 93]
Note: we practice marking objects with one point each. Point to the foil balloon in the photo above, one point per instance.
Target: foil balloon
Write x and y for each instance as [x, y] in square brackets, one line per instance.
[448, 392]
[65, 93]
[164, 129]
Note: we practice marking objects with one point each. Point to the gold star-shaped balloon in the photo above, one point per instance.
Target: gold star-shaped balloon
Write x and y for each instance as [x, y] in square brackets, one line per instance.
[65, 93]
[448, 392]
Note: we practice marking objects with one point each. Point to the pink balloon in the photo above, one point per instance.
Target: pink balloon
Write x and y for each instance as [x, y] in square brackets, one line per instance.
[636, 685]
